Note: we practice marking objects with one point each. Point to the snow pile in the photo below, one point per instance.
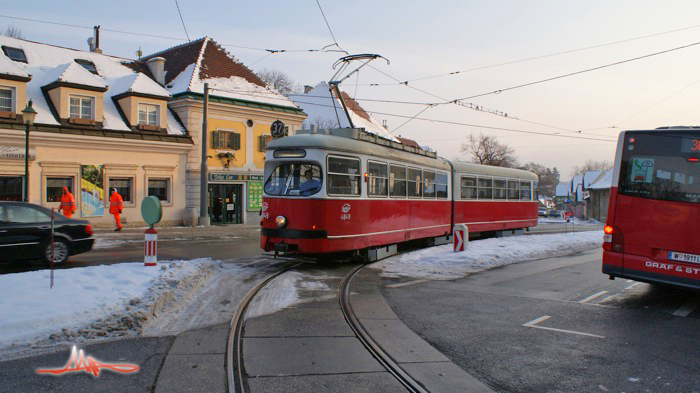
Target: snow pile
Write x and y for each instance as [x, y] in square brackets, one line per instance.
[284, 291]
[441, 263]
[96, 301]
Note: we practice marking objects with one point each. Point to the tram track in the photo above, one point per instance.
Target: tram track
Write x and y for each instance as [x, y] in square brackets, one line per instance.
[235, 363]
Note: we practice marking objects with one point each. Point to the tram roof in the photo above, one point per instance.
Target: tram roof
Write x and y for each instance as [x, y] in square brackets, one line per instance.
[357, 141]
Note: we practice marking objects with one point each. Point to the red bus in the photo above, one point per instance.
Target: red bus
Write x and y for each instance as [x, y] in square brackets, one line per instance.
[654, 210]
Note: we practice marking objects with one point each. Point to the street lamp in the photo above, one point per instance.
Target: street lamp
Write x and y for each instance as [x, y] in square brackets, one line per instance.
[28, 115]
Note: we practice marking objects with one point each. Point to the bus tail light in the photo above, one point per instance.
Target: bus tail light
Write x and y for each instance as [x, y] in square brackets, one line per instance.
[612, 239]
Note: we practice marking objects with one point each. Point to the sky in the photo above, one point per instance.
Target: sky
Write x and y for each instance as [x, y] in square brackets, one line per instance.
[580, 115]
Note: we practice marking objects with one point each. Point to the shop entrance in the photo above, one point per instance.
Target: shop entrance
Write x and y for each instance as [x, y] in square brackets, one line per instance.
[226, 203]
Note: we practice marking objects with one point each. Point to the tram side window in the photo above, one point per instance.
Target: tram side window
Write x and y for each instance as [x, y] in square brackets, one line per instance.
[378, 180]
[468, 184]
[499, 188]
[525, 187]
[397, 181]
[513, 190]
[414, 183]
[429, 184]
[343, 176]
[485, 188]
[441, 185]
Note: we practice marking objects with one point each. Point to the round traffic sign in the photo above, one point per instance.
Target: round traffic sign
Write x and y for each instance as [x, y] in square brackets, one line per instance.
[151, 210]
[277, 129]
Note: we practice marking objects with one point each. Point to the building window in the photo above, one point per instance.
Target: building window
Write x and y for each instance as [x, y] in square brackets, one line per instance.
[485, 188]
[7, 99]
[263, 140]
[148, 114]
[82, 107]
[441, 185]
[397, 181]
[513, 189]
[54, 187]
[226, 140]
[159, 188]
[525, 187]
[16, 54]
[499, 189]
[11, 188]
[414, 183]
[429, 180]
[88, 65]
[123, 186]
[377, 182]
[343, 176]
[468, 186]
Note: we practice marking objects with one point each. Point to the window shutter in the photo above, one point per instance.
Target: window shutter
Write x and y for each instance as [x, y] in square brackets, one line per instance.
[236, 141]
[262, 142]
[215, 139]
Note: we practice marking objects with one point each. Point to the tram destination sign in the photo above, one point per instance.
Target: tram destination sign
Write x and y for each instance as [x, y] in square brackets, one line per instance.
[233, 177]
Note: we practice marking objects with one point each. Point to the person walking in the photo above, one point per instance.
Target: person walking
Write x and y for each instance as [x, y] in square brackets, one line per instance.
[115, 207]
[67, 206]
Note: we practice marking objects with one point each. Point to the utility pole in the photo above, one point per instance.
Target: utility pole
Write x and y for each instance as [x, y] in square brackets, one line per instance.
[203, 189]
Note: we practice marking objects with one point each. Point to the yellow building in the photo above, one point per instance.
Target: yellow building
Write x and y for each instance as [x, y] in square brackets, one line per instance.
[240, 113]
[101, 123]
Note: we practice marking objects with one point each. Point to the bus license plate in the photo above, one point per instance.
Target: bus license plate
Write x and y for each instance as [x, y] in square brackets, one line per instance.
[683, 257]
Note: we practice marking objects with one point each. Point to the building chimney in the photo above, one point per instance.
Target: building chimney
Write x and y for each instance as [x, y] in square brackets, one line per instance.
[94, 41]
[157, 67]
[307, 89]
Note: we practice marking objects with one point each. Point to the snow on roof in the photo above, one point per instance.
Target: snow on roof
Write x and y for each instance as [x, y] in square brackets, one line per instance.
[563, 189]
[9, 67]
[77, 74]
[602, 182]
[326, 111]
[48, 64]
[203, 61]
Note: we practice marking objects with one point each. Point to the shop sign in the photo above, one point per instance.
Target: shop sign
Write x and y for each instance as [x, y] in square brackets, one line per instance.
[232, 177]
[16, 152]
[255, 193]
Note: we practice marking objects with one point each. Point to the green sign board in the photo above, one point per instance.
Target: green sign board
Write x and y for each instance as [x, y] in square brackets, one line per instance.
[255, 193]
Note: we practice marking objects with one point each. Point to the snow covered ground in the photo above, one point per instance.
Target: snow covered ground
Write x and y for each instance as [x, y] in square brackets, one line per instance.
[441, 263]
[92, 302]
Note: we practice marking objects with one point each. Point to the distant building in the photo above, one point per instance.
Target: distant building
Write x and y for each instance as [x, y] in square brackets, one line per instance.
[585, 195]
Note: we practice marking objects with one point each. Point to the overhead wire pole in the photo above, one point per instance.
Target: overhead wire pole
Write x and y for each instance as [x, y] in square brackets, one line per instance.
[203, 188]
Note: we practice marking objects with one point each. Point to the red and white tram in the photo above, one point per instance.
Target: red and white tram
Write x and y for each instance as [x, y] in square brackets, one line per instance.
[340, 190]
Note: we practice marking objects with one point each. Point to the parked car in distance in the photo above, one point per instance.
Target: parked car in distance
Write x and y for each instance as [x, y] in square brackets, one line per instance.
[542, 211]
[554, 213]
[25, 234]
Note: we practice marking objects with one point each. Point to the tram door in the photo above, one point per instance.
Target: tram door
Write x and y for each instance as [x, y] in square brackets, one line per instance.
[225, 203]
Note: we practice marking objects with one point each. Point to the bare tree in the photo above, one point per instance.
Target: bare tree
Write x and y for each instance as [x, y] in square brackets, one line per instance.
[14, 32]
[279, 81]
[487, 150]
[592, 165]
[319, 122]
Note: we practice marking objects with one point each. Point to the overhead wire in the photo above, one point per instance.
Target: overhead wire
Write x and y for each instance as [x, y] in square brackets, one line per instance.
[499, 91]
[538, 57]
[183, 21]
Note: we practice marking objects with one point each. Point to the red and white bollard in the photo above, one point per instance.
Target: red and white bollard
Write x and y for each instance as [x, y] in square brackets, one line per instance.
[460, 237]
[150, 248]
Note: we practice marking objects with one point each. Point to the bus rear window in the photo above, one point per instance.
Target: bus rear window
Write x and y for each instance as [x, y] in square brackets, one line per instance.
[660, 166]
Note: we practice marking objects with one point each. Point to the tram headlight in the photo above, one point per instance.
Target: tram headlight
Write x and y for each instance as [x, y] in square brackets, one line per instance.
[281, 221]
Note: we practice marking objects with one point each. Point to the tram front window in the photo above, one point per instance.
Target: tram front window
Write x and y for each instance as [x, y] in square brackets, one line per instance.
[293, 179]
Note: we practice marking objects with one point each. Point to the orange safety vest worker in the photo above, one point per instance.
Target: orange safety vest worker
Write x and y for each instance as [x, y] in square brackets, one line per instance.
[67, 206]
[115, 207]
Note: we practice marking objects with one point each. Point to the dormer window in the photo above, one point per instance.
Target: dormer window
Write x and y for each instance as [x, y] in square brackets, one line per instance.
[82, 107]
[88, 65]
[16, 54]
[149, 115]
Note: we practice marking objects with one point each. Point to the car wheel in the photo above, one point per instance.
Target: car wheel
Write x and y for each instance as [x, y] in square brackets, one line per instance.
[61, 251]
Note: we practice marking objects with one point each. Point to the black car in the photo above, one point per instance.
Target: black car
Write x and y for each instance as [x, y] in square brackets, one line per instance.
[25, 233]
